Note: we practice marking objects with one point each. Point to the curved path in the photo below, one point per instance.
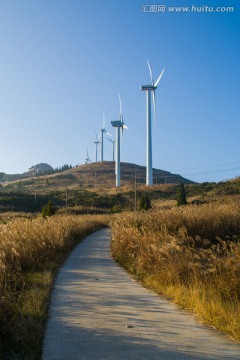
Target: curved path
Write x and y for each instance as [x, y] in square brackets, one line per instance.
[98, 312]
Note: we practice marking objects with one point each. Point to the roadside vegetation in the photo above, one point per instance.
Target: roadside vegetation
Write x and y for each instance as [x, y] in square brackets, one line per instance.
[190, 254]
[31, 251]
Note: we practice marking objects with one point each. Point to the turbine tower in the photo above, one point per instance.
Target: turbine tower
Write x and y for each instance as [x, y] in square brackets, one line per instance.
[103, 130]
[150, 89]
[118, 124]
[113, 143]
[96, 142]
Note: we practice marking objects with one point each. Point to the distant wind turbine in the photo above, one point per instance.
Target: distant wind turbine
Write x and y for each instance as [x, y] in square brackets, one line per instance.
[113, 144]
[96, 142]
[118, 124]
[150, 89]
[88, 160]
[103, 130]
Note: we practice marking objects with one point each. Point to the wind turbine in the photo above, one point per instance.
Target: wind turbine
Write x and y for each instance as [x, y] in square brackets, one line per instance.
[118, 124]
[103, 130]
[150, 89]
[88, 160]
[96, 142]
[113, 143]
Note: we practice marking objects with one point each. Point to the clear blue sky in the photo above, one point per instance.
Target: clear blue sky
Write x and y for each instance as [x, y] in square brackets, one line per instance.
[64, 62]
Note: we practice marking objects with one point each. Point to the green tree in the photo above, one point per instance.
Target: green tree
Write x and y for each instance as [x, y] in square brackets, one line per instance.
[145, 203]
[182, 198]
[47, 210]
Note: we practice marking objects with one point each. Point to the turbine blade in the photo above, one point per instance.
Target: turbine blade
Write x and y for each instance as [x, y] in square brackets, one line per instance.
[103, 121]
[120, 103]
[125, 126]
[159, 78]
[149, 67]
[110, 139]
[154, 106]
[108, 133]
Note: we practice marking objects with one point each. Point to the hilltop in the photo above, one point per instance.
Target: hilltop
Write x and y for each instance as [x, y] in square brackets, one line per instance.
[40, 169]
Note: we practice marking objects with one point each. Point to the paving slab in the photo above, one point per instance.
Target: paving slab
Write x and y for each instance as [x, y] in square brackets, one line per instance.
[98, 312]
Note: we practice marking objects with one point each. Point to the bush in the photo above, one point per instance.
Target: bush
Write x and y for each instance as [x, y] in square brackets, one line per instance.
[47, 210]
[145, 203]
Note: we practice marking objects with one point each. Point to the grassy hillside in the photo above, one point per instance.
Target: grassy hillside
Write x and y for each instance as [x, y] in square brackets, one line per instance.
[82, 191]
[98, 175]
[86, 188]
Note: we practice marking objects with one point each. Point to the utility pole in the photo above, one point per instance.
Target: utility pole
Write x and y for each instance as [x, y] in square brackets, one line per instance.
[35, 193]
[66, 198]
[135, 204]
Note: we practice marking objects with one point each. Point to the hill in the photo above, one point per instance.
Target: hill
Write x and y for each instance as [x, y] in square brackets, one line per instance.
[90, 188]
[39, 169]
[100, 175]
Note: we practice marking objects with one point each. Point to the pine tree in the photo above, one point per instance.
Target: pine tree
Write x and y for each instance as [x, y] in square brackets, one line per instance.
[181, 199]
[47, 210]
[145, 203]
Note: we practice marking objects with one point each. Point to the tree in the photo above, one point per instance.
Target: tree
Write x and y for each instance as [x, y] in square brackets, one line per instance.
[181, 199]
[145, 203]
[47, 210]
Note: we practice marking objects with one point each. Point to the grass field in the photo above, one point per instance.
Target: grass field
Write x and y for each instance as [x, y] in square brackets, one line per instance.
[31, 251]
[190, 254]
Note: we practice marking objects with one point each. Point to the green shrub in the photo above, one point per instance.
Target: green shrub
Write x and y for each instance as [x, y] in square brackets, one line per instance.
[47, 210]
[145, 203]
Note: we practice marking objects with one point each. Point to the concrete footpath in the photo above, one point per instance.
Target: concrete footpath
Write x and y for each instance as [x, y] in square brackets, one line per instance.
[98, 312]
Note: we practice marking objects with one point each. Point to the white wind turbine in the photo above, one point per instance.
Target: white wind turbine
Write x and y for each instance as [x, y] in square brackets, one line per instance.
[118, 124]
[150, 89]
[87, 160]
[113, 144]
[103, 130]
[96, 142]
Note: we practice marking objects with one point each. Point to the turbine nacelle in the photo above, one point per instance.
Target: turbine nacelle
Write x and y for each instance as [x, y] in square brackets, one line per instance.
[148, 87]
[117, 123]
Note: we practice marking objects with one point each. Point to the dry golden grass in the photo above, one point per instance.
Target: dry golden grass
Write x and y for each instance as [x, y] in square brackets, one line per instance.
[191, 254]
[31, 250]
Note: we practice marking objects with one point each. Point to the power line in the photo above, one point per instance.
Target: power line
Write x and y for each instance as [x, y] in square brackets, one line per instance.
[212, 172]
[208, 166]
